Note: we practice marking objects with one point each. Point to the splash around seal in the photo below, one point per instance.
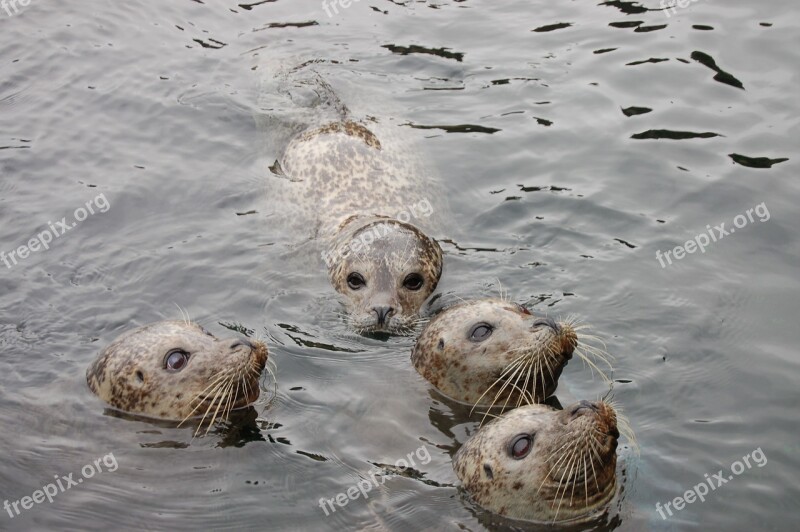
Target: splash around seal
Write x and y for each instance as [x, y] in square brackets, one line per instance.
[539, 464]
[175, 370]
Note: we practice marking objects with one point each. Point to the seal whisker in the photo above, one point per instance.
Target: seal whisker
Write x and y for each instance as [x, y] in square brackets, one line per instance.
[222, 397]
[215, 382]
[505, 371]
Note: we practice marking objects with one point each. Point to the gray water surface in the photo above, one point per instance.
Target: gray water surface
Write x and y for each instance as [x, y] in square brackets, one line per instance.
[573, 140]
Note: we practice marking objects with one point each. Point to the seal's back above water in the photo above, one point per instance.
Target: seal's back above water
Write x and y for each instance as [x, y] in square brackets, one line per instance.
[368, 201]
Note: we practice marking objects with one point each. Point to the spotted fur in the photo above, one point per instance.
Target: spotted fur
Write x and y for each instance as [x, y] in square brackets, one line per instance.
[130, 374]
[568, 474]
[519, 363]
[353, 187]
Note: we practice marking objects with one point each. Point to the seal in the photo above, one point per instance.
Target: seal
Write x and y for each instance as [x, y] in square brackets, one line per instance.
[536, 463]
[175, 370]
[363, 196]
[478, 346]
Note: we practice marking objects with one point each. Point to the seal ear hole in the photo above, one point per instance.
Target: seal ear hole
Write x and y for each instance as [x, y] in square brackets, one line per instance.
[488, 470]
[139, 376]
[441, 343]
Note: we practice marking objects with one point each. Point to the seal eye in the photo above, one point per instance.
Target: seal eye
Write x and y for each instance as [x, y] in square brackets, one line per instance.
[520, 446]
[356, 281]
[481, 332]
[176, 360]
[414, 281]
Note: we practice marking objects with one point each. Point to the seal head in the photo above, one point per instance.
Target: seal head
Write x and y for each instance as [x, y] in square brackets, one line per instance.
[175, 370]
[539, 464]
[493, 352]
[386, 270]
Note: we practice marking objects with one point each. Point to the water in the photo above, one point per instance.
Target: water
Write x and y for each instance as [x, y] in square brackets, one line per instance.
[551, 196]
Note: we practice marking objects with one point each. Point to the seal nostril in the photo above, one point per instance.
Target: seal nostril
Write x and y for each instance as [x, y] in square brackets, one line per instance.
[548, 322]
[383, 314]
[243, 342]
[582, 406]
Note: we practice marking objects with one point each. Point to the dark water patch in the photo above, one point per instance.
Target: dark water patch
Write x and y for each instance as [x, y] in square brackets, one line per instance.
[415, 49]
[552, 188]
[249, 7]
[543, 121]
[721, 76]
[213, 43]
[313, 456]
[604, 50]
[289, 25]
[673, 135]
[625, 243]
[756, 162]
[506, 81]
[379, 10]
[460, 128]
[553, 27]
[629, 8]
[462, 248]
[633, 111]
[645, 29]
[766, 24]
[626, 24]
[651, 60]
[702, 27]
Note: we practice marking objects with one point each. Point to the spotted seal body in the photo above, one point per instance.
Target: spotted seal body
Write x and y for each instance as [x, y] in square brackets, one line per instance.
[364, 199]
[174, 370]
[540, 464]
[493, 352]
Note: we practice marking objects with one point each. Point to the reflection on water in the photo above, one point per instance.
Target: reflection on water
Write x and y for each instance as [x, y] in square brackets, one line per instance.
[573, 140]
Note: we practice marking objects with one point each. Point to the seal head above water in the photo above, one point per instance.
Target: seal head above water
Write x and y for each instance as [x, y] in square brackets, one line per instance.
[539, 464]
[386, 270]
[494, 352]
[175, 370]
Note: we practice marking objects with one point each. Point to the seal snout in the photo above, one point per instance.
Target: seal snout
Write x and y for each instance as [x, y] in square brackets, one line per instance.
[383, 314]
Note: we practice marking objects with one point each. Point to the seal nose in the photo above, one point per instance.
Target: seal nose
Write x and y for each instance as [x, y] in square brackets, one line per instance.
[383, 313]
[581, 407]
[549, 322]
[243, 342]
